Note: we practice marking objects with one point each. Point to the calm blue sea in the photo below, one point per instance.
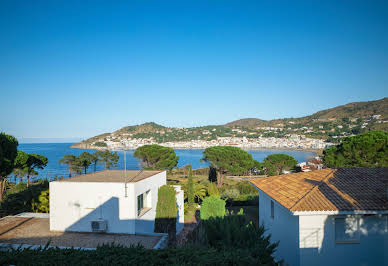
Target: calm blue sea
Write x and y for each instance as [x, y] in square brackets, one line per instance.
[55, 151]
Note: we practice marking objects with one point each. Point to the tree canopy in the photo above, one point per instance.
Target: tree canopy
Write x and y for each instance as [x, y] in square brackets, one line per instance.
[8, 152]
[365, 150]
[109, 159]
[72, 163]
[85, 160]
[157, 157]
[227, 159]
[274, 164]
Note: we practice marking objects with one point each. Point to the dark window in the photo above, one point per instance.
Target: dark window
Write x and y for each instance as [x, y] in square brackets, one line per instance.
[140, 204]
[272, 210]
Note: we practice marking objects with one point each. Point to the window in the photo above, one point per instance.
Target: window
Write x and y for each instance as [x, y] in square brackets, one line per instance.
[140, 203]
[143, 203]
[272, 210]
[347, 230]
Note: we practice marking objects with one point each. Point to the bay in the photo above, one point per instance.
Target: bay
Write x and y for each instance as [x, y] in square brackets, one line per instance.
[55, 151]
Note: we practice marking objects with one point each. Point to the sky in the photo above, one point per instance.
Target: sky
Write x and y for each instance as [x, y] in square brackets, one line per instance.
[75, 69]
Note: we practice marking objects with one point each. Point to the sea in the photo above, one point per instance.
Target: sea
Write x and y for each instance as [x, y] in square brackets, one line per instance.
[55, 151]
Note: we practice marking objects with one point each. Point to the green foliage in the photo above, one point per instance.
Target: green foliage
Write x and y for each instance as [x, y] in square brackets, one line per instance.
[43, 204]
[85, 160]
[109, 159]
[190, 188]
[227, 159]
[212, 189]
[100, 144]
[212, 206]
[246, 188]
[8, 153]
[365, 150]
[276, 163]
[134, 255]
[72, 163]
[157, 157]
[230, 193]
[234, 232]
[20, 197]
[199, 192]
[26, 163]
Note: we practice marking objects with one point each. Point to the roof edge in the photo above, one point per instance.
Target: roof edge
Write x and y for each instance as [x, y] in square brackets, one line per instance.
[308, 213]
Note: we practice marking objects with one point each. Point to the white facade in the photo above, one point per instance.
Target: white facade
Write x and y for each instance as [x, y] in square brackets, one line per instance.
[307, 238]
[74, 205]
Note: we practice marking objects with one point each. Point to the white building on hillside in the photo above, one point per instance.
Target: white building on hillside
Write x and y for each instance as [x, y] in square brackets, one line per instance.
[327, 217]
[111, 201]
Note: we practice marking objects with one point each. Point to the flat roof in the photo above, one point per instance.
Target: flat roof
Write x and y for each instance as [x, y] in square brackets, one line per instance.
[110, 176]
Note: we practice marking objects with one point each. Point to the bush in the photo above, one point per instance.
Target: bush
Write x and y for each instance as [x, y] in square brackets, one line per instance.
[212, 190]
[166, 212]
[246, 188]
[43, 204]
[212, 207]
[20, 198]
[135, 255]
[231, 193]
[237, 233]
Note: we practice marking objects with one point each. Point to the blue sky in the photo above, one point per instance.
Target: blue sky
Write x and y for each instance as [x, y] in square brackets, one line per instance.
[80, 68]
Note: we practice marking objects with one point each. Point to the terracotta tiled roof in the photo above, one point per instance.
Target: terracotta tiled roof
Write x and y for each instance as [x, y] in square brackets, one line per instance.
[343, 189]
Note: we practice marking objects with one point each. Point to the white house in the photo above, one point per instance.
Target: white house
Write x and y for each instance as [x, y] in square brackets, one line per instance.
[111, 201]
[327, 217]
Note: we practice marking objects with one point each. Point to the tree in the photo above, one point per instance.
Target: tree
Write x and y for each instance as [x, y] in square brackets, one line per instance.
[8, 153]
[35, 161]
[85, 159]
[365, 150]
[71, 161]
[166, 213]
[228, 159]
[276, 163]
[109, 159]
[157, 157]
[190, 188]
[94, 158]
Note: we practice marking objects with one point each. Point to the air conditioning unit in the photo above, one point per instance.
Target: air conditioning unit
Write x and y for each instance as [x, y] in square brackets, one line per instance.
[99, 226]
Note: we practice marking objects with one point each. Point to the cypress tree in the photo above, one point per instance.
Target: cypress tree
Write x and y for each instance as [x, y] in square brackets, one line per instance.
[190, 188]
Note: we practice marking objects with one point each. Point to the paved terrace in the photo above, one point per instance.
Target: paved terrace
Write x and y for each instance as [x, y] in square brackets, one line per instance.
[36, 231]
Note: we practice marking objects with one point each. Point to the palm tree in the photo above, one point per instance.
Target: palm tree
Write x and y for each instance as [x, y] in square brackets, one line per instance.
[199, 192]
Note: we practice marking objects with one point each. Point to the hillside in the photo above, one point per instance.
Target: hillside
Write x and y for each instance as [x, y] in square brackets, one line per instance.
[330, 125]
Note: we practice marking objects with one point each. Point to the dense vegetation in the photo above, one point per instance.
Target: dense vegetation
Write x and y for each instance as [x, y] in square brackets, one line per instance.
[275, 164]
[20, 198]
[8, 153]
[364, 150]
[166, 213]
[212, 207]
[228, 160]
[157, 157]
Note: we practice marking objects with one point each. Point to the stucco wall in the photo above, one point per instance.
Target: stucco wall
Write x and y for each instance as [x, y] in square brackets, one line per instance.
[318, 245]
[73, 205]
[284, 228]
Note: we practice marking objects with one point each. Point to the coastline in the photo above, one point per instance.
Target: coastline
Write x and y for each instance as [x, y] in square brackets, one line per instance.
[91, 147]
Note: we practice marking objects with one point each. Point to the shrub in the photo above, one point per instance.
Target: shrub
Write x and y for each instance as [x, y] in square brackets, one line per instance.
[246, 188]
[43, 204]
[234, 232]
[135, 255]
[20, 199]
[231, 193]
[212, 207]
[190, 189]
[212, 190]
[166, 212]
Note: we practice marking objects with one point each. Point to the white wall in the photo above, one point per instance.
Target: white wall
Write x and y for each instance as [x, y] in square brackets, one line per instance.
[318, 245]
[181, 209]
[284, 228]
[73, 205]
[145, 223]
